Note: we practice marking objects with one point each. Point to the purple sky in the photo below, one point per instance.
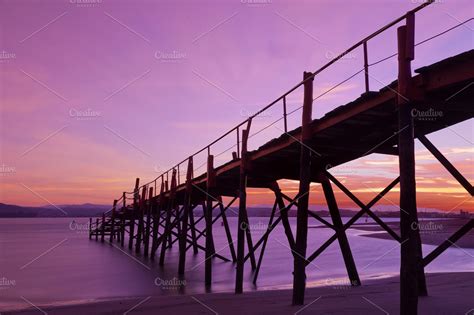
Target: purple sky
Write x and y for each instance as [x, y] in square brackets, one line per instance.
[160, 79]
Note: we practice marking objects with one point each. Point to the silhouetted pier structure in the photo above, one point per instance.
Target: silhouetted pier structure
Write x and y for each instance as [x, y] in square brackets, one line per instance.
[162, 212]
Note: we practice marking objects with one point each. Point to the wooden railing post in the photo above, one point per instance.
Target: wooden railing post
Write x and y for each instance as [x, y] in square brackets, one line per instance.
[366, 67]
[148, 209]
[168, 229]
[122, 219]
[97, 229]
[102, 233]
[141, 214]
[112, 222]
[412, 281]
[210, 184]
[185, 217]
[242, 225]
[299, 274]
[90, 228]
[136, 196]
[157, 220]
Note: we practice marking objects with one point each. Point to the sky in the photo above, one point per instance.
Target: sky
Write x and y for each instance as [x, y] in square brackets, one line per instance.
[95, 93]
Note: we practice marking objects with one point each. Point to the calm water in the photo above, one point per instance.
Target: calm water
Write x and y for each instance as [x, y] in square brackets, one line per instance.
[52, 261]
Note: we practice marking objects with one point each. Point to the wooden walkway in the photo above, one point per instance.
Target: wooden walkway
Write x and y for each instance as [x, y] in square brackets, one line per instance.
[162, 212]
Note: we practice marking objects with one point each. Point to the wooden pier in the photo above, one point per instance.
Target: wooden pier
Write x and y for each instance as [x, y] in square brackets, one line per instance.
[158, 214]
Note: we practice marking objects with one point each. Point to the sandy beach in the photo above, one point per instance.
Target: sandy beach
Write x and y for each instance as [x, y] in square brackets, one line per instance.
[432, 231]
[449, 293]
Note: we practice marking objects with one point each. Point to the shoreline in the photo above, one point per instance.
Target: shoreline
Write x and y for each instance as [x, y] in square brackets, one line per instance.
[448, 293]
[432, 232]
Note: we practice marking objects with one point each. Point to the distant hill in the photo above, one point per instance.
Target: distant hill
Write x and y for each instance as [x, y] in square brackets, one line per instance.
[93, 210]
[85, 210]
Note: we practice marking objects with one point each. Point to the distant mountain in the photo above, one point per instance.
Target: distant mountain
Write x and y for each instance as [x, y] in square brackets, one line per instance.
[93, 210]
[85, 210]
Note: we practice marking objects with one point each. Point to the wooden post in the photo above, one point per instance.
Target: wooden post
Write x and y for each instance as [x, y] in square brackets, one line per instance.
[133, 213]
[248, 235]
[341, 234]
[193, 230]
[141, 213]
[227, 230]
[299, 274]
[284, 215]
[239, 277]
[265, 239]
[90, 228]
[447, 165]
[210, 250]
[97, 229]
[186, 210]
[411, 283]
[448, 242]
[102, 233]
[157, 219]
[167, 231]
[122, 219]
[366, 67]
[112, 221]
[146, 243]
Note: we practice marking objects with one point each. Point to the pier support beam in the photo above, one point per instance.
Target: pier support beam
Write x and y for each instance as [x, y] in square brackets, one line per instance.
[168, 228]
[412, 282]
[227, 230]
[242, 225]
[141, 213]
[283, 212]
[447, 165]
[102, 229]
[122, 219]
[340, 232]
[299, 274]
[157, 219]
[264, 245]
[136, 196]
[149, 210]
[112, 221]
[210, 250]
[97, 229]
[186, 211]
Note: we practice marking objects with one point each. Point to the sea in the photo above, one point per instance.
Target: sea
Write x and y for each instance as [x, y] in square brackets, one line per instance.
[52, 261]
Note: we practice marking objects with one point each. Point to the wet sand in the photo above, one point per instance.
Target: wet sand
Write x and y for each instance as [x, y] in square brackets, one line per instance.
[449, 293]
[432, 232]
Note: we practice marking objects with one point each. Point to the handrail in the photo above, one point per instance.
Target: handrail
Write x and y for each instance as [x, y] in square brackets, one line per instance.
[360, 43]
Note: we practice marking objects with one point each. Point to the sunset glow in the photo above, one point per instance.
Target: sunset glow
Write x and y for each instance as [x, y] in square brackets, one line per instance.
[92, 97]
